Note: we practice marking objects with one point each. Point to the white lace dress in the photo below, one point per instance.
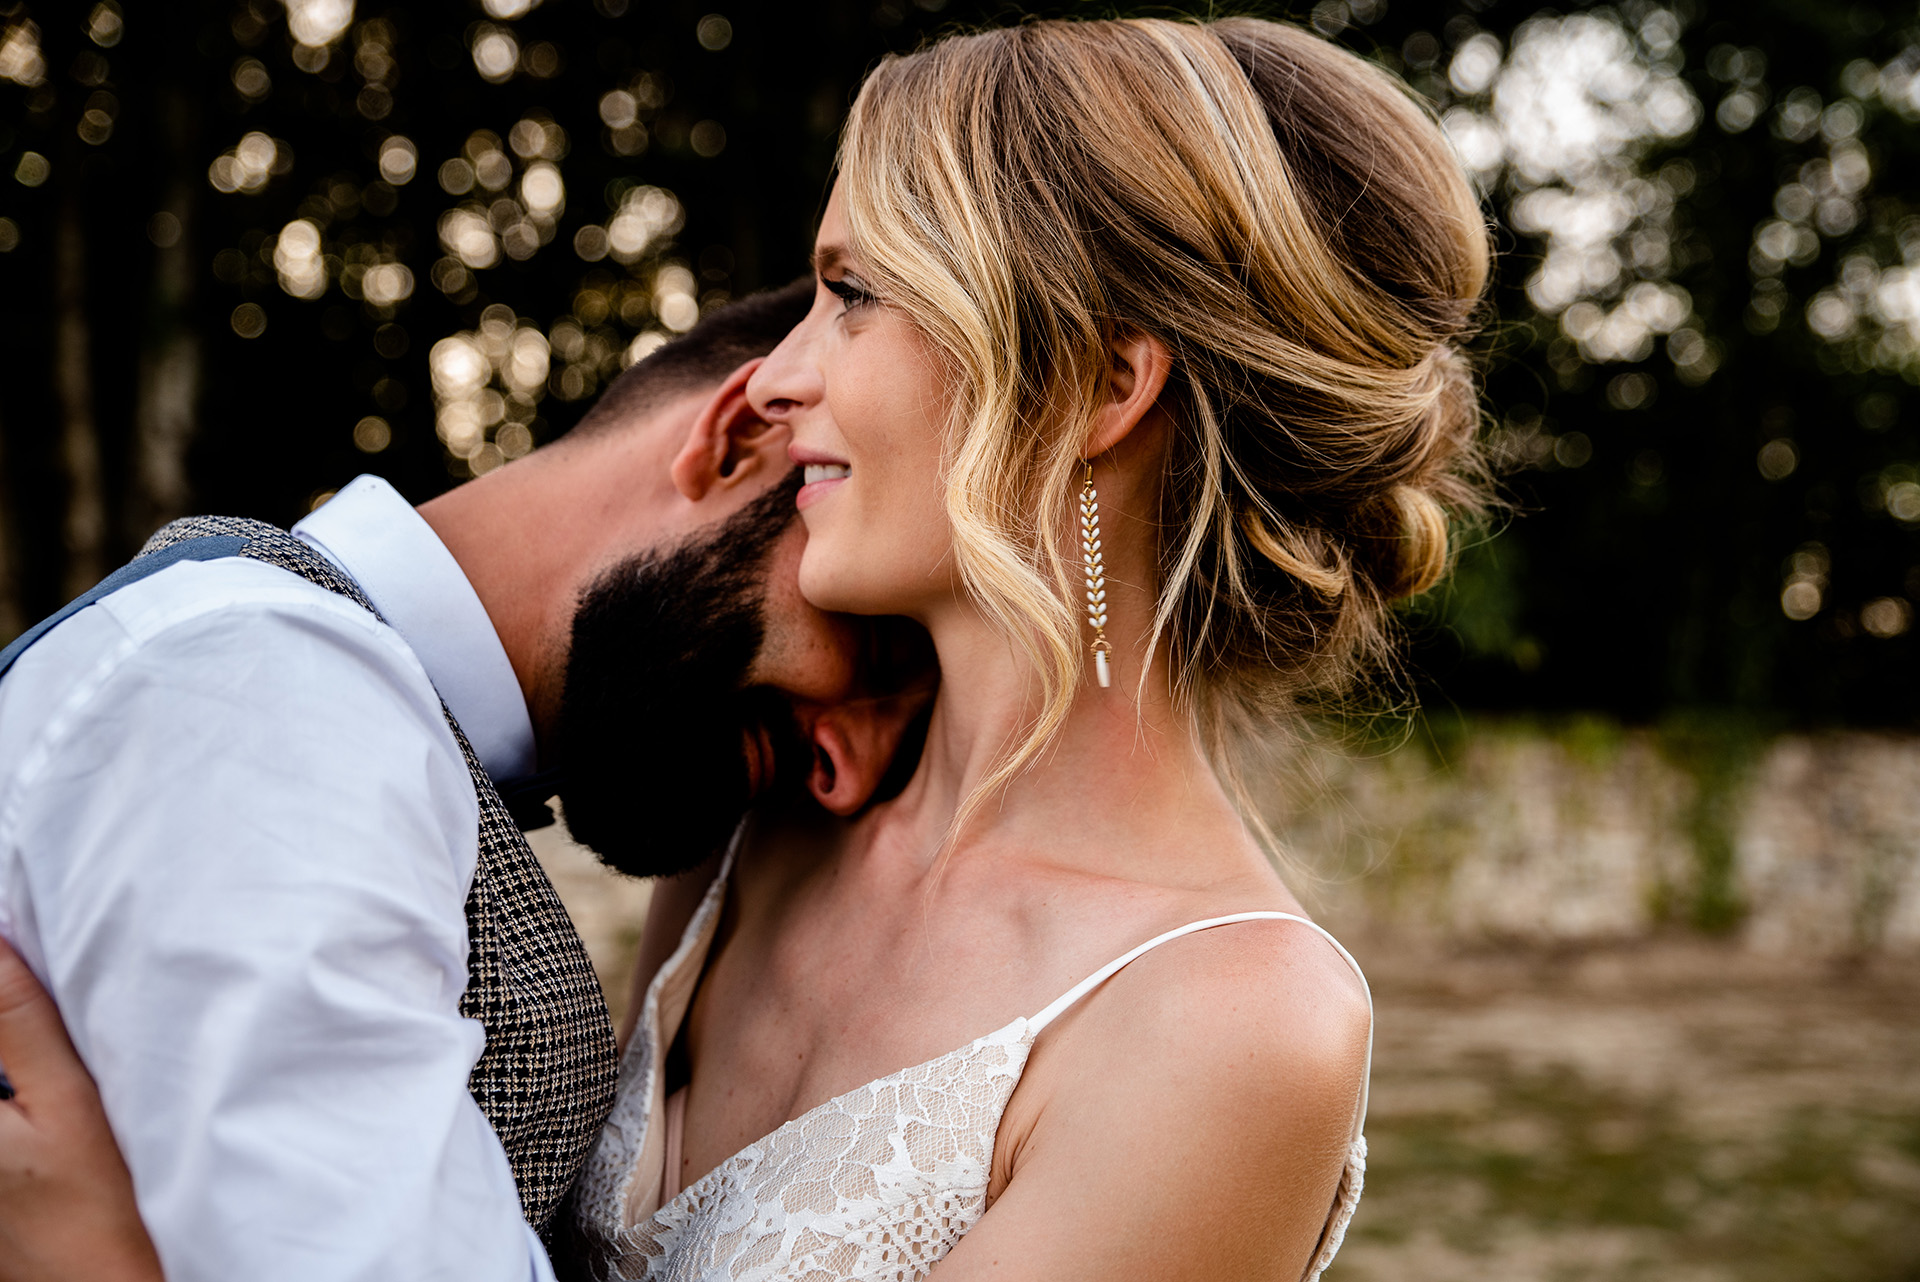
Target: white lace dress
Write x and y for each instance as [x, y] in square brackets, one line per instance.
[874, 1186]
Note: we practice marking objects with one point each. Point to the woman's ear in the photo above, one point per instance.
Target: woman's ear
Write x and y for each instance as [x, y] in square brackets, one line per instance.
[1137, 371]
[728, 442]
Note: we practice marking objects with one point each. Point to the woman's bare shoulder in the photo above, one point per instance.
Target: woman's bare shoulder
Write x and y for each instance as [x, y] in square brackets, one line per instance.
[1266, 993]
[1194, 1117]
[1248, 1023]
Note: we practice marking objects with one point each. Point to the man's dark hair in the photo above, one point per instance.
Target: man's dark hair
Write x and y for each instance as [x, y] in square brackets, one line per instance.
[723, 341]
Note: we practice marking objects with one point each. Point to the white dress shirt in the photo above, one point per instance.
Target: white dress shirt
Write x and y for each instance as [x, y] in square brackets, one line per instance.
[236, 840]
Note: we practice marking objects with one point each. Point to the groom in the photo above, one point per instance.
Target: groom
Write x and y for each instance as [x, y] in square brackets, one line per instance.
[256, 815]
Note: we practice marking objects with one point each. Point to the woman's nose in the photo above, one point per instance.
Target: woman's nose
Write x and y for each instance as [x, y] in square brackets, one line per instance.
[788, 379]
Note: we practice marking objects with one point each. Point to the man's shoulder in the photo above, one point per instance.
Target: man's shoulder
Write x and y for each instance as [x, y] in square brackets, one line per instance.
[200, 623]
[239, 592]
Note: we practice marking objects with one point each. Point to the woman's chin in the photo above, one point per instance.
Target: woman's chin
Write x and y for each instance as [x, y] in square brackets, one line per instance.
[843, 586]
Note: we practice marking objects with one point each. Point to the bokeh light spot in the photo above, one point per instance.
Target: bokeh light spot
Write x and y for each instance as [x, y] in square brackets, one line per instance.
[618, 109]
[1631, 391]
[543, 191]
[643, 346]
[708, 138]
[385, 285]
[1804, 591]
[95, 126]
[713, 32]
[645, 216]
[32, 170]
[318, 23]
[374, 102]
[248, 321]
[515, 440]
[297, 260]
[1475, 64]
[372, 434]
[312, 59]
[496, 54]
[537, 137]
[1903, 502]
[105, 25]
[249, 164]
[543, 60]
[9, 236]
[1575, 449]
[467, 236]
[456, 177]
[590, 243]
[20, 58]
[1330, 17]
[1886, 616]
[1800, 600]
[1777, 459]
[450, 277]
[163, 229]
[251, 80]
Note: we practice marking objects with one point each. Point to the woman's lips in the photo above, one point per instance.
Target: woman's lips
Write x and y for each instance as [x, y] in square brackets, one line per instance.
[818, 478]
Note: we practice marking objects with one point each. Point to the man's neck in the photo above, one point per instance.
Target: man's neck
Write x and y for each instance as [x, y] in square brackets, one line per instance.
[532, 535]
[493, 529]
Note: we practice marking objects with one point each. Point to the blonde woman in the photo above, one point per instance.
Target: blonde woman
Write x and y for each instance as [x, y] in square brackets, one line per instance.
[1133, 376]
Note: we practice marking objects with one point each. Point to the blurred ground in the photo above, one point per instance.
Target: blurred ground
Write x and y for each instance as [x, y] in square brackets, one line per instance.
[1668, 1107]
[1674, 1109]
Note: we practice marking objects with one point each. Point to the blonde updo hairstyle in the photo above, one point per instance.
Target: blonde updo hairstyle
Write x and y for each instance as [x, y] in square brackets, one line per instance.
[1285, 218]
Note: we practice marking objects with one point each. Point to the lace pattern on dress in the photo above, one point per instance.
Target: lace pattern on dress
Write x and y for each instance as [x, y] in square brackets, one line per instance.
[878, 1184]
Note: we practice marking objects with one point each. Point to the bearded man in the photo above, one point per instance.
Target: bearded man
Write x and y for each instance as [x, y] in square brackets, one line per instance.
[258, 835]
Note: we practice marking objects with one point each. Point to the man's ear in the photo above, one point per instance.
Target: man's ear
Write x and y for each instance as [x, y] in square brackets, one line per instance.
[1139, 365]
[855, 743]
[728, 442]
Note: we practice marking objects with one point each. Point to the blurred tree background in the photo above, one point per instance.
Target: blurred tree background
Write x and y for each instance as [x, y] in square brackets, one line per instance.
[250, 248]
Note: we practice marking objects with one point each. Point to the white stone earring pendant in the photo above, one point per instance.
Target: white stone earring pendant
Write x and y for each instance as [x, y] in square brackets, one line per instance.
[1096, 576]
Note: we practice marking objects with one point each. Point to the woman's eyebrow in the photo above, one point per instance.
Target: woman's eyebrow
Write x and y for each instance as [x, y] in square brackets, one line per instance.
[826, 257]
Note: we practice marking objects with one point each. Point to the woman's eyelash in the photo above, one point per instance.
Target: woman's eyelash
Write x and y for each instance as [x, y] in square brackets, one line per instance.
[847, 292]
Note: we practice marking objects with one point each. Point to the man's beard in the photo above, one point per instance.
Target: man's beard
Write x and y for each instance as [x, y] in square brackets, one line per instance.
[654, 708]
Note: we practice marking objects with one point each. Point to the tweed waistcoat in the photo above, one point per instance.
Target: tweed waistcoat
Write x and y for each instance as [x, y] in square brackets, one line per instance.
[545, 1080]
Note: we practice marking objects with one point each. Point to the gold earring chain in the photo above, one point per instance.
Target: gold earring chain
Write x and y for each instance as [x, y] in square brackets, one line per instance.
[1096, 568]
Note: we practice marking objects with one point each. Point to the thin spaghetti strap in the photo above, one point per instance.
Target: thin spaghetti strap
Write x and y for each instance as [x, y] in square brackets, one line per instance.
[1108, 971]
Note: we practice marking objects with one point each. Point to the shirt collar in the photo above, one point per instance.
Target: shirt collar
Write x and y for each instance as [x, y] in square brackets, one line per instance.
[382, 544]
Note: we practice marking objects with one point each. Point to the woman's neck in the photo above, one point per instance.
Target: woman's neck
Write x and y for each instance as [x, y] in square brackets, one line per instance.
[1123, 774]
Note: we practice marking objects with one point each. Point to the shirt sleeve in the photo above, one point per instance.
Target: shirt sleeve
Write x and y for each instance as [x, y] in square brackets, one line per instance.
[247, 841]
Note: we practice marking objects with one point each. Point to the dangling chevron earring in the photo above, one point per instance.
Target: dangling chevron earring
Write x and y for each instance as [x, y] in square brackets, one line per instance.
[1096, 576]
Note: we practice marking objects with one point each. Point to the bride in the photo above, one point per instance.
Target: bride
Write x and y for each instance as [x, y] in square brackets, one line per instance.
[1132, 376]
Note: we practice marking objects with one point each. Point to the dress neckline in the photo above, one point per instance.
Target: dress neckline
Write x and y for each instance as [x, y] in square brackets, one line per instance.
[1020, 1032]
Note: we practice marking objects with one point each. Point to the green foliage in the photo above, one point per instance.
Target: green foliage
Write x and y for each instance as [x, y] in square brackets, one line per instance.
[1718, 752]
[1481, 603]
